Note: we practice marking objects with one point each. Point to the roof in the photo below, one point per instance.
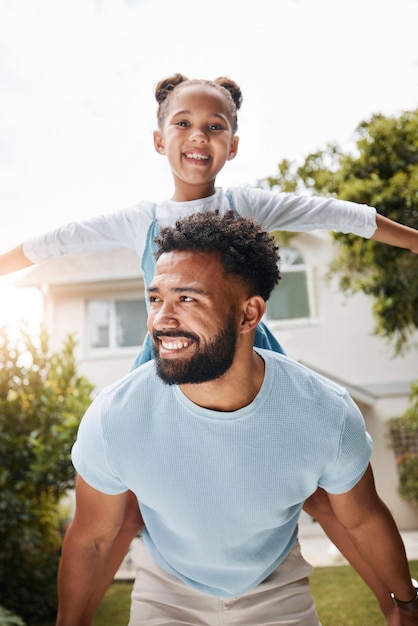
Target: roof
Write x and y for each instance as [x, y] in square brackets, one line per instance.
[109, 265]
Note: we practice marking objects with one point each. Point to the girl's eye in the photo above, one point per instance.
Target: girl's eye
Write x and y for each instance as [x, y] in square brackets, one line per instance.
[182, 124]
[215, 127]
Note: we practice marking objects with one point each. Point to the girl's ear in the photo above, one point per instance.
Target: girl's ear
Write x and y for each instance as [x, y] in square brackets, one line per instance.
[159, 142]
[253, 311]
[233, 148]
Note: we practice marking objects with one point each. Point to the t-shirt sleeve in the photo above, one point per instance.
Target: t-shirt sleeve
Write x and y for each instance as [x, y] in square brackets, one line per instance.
[355, 449]
[89, 454]
[303, 213]
[126, 228]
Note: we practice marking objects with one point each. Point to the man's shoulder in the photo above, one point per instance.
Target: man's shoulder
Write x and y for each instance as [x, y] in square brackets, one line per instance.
[299, 373]
[142, 380]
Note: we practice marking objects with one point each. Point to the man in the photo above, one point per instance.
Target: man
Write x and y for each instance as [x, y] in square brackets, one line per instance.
[222, 444]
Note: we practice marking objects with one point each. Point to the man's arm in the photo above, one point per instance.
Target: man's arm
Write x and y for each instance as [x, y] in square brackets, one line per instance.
[373, 530]
[86, 548]
[131, 526]
[395, 234]
[318, 506]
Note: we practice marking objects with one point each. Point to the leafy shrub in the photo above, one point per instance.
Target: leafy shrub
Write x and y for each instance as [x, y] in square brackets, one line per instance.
[7, 618]
[403, 432]
[42, 400]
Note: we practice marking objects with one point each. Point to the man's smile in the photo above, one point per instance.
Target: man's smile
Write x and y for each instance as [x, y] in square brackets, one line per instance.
[171, 344]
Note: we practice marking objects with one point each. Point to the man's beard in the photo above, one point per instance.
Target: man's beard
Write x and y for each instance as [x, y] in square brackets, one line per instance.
[207, 363]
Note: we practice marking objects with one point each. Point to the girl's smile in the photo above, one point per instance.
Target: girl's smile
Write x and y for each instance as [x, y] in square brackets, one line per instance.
[198, 157]
[197, 139]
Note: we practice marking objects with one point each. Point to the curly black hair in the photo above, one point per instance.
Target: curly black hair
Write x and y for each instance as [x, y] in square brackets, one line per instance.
[246, 250]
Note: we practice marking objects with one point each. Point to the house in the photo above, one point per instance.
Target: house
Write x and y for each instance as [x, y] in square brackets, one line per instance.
[99, 298]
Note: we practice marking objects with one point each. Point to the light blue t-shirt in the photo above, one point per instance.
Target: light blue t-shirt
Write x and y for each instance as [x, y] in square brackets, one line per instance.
[221, 492]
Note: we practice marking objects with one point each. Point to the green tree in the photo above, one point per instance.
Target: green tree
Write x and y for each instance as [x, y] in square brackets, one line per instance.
[42, 400]
[379, 168]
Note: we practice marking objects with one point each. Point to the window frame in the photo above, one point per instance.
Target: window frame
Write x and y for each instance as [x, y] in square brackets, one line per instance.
[112, 348]
[286, 267]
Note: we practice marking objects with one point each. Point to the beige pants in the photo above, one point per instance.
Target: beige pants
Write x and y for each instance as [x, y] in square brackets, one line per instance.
[283, 599]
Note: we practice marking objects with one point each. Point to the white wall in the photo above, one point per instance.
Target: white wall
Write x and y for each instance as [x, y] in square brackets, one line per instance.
[341, 342]
[65, 312]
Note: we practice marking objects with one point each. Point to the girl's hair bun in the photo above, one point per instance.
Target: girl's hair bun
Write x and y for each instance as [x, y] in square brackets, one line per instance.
[166, 85]
[231, 86]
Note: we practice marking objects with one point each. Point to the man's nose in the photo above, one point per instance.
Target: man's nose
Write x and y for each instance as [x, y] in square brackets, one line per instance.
[165, 319]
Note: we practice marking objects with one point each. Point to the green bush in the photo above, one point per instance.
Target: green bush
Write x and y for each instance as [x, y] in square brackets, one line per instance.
[42, 400]
[403, 432]
[7, 618]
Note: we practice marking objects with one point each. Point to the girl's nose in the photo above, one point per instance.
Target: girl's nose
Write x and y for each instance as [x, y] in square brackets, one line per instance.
[198, 135]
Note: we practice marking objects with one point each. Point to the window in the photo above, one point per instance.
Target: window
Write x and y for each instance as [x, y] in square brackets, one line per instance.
[116, 323]
[290, 299]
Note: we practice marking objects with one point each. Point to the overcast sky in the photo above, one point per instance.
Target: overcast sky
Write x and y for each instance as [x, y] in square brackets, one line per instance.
[77, 78]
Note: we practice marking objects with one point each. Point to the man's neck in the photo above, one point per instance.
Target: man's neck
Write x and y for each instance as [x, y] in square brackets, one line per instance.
[234, 390]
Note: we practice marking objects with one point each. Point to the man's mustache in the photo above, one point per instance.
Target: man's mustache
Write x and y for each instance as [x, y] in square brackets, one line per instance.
[174, 333]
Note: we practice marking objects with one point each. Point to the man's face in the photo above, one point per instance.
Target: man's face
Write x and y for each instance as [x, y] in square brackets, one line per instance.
[193, 318]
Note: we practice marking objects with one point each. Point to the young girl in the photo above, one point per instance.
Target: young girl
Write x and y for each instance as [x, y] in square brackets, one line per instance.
[197, 125]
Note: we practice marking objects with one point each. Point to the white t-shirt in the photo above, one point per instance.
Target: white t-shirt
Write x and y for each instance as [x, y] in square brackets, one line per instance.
[127, 228]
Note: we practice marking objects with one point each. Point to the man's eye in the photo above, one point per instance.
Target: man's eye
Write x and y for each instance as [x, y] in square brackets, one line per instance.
[187, 299]
[154, 299]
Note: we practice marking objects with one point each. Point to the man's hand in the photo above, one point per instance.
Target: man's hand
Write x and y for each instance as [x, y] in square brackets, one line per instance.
[392, 615]
[409, 618]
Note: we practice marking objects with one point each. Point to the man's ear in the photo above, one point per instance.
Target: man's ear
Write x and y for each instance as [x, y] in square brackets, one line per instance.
[233, 148]
[159, 142]
[253, 311]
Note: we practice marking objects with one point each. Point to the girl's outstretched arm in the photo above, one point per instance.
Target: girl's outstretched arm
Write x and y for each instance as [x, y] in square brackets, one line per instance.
[395, 234]
[13, 260]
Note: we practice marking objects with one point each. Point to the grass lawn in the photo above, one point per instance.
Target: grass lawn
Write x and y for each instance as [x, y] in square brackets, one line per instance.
[341, 598]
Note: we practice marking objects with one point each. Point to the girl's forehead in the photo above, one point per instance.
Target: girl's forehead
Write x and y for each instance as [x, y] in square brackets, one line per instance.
[191, 96]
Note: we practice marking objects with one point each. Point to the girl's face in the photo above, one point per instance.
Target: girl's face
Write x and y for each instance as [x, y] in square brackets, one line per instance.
[197, 139]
